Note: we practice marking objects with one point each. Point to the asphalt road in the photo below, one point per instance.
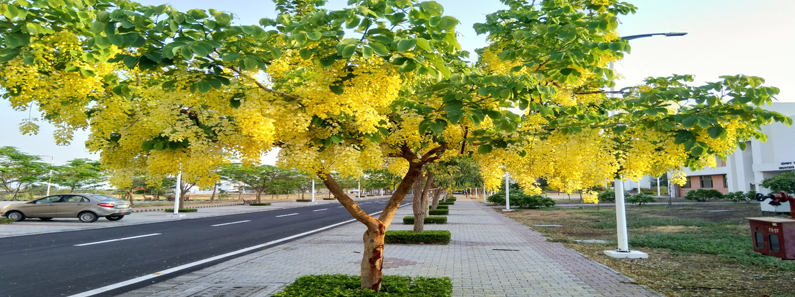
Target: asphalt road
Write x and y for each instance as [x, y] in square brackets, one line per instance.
[68, 263]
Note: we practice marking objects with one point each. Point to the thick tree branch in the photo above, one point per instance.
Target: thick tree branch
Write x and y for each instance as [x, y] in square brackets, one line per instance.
[430, 154]
[348, 203]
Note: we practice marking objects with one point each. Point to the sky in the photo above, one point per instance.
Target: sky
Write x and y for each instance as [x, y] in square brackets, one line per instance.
[725, 37]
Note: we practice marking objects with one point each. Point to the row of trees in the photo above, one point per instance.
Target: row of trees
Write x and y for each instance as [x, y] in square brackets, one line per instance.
[19, 171]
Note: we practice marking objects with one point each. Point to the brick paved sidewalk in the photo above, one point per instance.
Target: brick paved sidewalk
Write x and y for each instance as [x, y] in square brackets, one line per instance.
[490, 255]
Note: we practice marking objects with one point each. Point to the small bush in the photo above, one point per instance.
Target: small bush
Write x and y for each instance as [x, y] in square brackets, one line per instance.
[533, 201]
[438, 212]
[428, 220]
[520, 199]
[330, 198]
[260, 204]
[447, 203]
[702, 195]
[303, 200]
[640, 199]
[439, 206]
[6, 221]
[340, 285]
[182, 210]
[409, 237]
[451, 198]
[607, 196]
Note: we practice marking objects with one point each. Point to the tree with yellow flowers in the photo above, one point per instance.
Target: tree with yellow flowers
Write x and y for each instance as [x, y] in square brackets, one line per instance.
[381, 83]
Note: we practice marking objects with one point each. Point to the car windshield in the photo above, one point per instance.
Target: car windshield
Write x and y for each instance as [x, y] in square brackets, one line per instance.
[105, 198]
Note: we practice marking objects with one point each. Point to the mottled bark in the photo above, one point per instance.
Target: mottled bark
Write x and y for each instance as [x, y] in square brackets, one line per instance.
[420, 206]
[259, 196]
[215, 188]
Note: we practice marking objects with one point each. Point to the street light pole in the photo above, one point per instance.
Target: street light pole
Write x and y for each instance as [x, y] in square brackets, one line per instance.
[49, 177]
[623, 250]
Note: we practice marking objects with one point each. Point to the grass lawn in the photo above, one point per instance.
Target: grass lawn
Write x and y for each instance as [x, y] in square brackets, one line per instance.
[693, 251]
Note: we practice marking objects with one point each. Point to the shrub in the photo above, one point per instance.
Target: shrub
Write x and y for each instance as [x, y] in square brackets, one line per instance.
[438, 212]
[428, 220]
[533, 201]
[447, 203]
[451, 198]
[439, 206]
[340, 285]
[260, 204]
[607, 196]
[333, 198]
[702, 195]
[520, 199]
[6, 221]
[303, 200]
[640, 199]
[409, 237]
[182, 210]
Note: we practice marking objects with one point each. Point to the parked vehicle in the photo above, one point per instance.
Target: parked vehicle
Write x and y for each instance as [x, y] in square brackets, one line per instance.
[86, 207]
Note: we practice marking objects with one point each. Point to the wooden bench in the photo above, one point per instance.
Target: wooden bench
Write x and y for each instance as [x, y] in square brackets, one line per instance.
[248, 201]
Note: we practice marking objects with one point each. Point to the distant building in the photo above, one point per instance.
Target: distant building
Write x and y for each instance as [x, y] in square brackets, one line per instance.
[745, 170]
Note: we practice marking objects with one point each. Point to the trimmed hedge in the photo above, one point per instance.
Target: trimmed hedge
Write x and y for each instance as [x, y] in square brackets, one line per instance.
[303, 200]
[438, 212]
[451, 198]
[439, 207]
[260, 204]
[447, 203]
[428, 220]
[6, 221]
[182, 210]
[702, 195]
[409, 237]
[341, 285]
[329, 198]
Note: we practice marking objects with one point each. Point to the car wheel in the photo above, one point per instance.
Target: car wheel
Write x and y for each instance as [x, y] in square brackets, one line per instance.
[87, 217]
[114, 218]
[16, 216]
[45, 219]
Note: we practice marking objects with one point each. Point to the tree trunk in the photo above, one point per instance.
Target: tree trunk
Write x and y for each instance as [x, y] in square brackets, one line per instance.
[215, 187]
[436, 197]
[373, 258]
[420, 200]
[130, 196]
[259, 194]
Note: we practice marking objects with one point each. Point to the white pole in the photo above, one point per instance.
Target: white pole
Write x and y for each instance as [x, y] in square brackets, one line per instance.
[49, 178]
[313, 190]
[177, 193]
[507, 189]
[359, 187]
[621, 217]
[658, 187]
[484, 194]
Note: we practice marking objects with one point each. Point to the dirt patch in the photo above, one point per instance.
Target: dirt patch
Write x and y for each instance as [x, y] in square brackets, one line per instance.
[673, 229]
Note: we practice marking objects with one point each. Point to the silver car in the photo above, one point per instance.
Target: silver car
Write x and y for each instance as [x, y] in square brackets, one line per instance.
[86, 207]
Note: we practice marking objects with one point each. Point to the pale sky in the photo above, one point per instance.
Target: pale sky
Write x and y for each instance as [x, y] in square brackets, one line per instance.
[725, 37]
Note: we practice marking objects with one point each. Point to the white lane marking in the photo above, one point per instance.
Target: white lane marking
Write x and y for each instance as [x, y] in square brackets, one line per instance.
[200, 262]
[287, 215]
[117, 239]
[238, 222]
[322, 209]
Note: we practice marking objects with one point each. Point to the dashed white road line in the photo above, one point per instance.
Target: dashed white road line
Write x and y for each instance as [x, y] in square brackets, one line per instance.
[322, 209]
[224, 224]
[287, 215]
[117, 239]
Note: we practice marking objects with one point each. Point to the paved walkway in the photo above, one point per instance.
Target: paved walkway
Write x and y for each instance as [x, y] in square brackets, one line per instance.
[489, 255]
